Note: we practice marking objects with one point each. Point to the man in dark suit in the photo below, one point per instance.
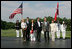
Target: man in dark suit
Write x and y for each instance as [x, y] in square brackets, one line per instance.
[28, 29]
[38, 28]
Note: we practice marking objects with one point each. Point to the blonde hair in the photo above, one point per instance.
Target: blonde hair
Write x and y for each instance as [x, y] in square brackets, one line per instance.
[32, 20]
[23, 20]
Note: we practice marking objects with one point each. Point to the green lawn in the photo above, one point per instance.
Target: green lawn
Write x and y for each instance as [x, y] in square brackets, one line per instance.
[68, 34]
[12, 33]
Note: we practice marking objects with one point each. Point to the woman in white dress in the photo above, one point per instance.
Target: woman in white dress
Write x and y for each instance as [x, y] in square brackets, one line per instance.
[53, 30]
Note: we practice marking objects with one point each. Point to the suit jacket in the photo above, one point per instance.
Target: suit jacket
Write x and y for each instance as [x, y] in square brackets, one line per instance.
[28, 25]
[33, 26]
[46, 27]
[53, 27]
[17, 26]
[37, 26]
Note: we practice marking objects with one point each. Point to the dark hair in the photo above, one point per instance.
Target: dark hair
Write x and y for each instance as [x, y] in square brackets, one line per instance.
[28, 17]
[57, 21]
[45, 17]
[37, 17]
[17, 21]
[32, 19]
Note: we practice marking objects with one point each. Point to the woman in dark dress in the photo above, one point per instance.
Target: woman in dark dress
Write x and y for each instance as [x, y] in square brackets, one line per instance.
[32, 36]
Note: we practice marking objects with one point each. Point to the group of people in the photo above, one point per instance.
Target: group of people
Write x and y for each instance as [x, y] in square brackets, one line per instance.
[29, 28]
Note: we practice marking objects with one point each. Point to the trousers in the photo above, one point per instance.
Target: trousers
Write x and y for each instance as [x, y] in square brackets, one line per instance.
[17, 33]
[58, 34]
[24, 34]
[46, 33]
[63, 34]
[53, 35]
[21, 33]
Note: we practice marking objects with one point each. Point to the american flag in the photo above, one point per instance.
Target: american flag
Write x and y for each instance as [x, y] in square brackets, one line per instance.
[19, 10]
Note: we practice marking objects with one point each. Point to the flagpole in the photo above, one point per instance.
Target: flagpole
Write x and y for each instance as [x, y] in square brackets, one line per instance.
[22, 10]
[58, 10]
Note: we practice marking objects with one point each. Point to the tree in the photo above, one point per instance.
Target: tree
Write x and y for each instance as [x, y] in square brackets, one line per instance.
[11, 25]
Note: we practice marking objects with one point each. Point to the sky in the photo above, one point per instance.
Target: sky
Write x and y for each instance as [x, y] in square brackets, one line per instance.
[34, 9]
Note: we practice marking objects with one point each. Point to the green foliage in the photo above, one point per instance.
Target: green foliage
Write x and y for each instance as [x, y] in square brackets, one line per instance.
[7, 25]
[11, 25]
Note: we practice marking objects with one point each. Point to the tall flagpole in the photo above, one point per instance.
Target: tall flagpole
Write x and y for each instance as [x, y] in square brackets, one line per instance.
[58, 10]
[22, 10]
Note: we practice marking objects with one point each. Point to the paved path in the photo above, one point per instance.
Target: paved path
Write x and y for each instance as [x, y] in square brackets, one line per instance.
[13, 42]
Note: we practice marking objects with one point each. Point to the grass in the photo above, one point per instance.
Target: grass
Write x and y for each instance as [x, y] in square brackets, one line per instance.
[8, 33]
[68, 34]
[12, 33]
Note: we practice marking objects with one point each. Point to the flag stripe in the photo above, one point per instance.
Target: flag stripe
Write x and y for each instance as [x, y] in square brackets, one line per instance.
[17, 11]
[12, 15]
